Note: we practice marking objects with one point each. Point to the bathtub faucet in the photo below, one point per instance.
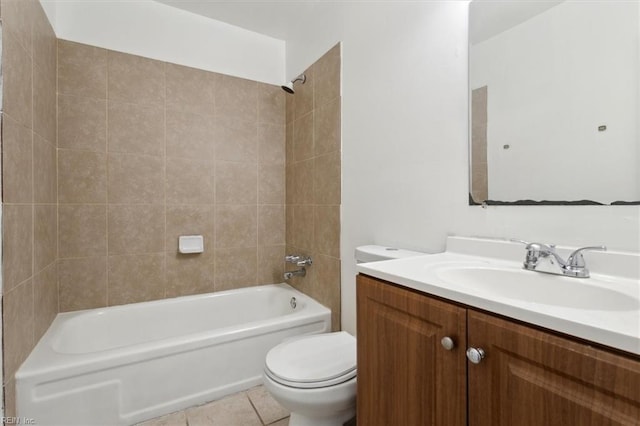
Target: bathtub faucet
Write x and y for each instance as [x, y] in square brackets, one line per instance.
[298, 273]
[298, 260]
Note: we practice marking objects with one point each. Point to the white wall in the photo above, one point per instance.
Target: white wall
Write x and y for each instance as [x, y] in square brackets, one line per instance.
[552, 81]
[404, 136]
[158, 31]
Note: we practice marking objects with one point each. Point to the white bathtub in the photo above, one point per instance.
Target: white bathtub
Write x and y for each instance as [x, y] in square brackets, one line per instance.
[124, 364]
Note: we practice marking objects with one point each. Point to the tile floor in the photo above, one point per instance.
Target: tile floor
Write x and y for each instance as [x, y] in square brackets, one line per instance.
[254, 407]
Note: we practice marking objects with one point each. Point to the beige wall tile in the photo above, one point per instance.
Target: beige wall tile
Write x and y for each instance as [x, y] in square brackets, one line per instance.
[304, 95]
[17, 17]
[135, 79]
[45, 299]
[82, 177]
[236, 97]
[136, 179]
[300, 182]
[327, 289]
[82, 283]
[271, 144]
[326, 128]
[289, 143]
[236, 183]
[235, 268]
[17, 73]
[45, 235]
[289, 224]
[17, 244]
[44, 42]
[189, 220]
[82, 230]
[303, 227]
[190, 273]
[190, 89]
[10, 398]
[190, 135]
[327, 77]
[135, 129]
[271, 225]
[45, 185]
[82, 123]
[327, 230]
[271, 264]
[17, 167]
[44, 105]
[17, 327]
[136, 229]
[326, 182]
[189, 181]
[236, 140]
[236, 226]
[271, 104]
[271, 183]
[82, 70]
[303, 138]
[136, 278]
[290, 108]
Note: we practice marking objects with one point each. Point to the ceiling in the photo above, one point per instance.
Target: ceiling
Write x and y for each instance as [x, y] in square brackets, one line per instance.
[274, 18]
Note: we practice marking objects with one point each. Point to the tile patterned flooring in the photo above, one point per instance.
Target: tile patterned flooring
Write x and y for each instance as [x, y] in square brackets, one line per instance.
[254, 407]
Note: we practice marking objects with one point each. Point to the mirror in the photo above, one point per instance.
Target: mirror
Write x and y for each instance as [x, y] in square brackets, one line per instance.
[554, 102]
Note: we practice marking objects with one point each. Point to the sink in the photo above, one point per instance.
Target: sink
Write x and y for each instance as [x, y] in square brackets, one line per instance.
[536, 287]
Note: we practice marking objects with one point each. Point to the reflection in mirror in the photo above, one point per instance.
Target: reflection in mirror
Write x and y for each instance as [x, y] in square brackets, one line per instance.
[554, 102]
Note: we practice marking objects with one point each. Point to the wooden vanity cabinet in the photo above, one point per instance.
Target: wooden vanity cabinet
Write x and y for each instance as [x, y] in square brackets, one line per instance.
[528, 376]
[405, 376]
[531, 377]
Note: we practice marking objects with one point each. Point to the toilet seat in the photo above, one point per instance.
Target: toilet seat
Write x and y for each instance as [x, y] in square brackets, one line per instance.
[315, 361]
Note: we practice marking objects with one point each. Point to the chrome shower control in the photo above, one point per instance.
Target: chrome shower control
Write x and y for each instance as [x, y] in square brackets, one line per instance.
[448, 343]
[475, 355]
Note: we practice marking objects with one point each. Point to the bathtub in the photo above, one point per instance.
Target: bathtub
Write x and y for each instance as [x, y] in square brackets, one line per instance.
[125, 364]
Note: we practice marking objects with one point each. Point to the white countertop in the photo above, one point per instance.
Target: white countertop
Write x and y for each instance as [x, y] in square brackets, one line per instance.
[618, 329]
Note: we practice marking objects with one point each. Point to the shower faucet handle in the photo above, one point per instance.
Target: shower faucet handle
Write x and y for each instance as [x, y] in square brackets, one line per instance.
[298, 260]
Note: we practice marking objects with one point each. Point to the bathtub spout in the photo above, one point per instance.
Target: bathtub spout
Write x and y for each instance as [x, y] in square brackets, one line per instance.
[298, 273]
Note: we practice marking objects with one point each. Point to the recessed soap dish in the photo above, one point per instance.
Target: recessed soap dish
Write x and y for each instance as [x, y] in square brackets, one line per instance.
[188, 244]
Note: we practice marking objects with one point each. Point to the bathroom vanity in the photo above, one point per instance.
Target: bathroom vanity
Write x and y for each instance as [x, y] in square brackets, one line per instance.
[431, 353]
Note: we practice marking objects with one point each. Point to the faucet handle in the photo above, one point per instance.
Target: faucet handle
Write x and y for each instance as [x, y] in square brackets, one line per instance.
[576, 260]
[298, 260]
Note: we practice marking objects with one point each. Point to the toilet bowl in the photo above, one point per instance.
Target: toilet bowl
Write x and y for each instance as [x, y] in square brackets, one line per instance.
[314, 377]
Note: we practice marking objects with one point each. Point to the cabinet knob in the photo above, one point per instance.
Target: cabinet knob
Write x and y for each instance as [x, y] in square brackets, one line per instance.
[475, 355]
[448, 343]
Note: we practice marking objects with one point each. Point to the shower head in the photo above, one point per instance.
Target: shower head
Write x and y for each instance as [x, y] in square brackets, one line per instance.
[289, 86]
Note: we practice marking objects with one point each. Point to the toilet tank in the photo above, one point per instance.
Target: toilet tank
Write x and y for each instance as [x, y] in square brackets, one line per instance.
[374, 253]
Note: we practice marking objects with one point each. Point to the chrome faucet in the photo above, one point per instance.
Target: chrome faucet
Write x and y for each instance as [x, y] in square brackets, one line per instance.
[298, 260]
[574, 266]
[297, 273]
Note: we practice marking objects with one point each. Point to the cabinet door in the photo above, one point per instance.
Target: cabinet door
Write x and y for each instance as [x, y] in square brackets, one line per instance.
[532, 378]
[405, 376]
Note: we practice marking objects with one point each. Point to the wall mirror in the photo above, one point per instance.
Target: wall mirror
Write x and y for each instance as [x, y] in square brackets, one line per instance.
[554, 102]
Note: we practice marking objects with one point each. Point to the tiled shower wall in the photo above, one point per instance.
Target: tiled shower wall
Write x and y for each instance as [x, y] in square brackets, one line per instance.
[313, 179]
[29, 278]
[149, 151]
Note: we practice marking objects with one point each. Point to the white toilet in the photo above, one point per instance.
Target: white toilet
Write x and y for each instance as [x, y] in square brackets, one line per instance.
[314, 377]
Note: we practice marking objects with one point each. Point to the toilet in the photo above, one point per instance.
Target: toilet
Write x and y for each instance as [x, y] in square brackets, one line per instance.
[314, 376]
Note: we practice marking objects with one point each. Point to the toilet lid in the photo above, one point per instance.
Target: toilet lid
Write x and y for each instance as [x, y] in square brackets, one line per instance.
[313, 361]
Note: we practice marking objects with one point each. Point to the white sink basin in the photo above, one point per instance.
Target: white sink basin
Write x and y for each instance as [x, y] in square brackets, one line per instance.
[536, 287]
[487, 274]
